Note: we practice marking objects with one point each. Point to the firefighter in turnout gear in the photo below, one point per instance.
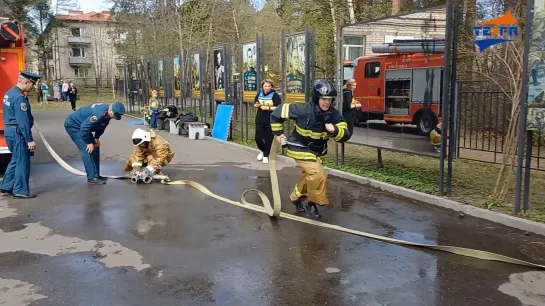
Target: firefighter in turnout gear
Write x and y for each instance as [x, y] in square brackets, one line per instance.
[435, 137]
[315, 124]
[151, 154]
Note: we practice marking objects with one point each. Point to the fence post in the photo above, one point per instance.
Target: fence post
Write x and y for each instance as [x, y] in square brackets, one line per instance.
[524, 102]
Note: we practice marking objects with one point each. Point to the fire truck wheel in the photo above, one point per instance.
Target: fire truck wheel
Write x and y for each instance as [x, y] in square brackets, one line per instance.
[425, 123]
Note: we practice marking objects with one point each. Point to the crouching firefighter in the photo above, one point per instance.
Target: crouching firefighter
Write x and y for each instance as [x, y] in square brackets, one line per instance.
[151, 154]
[315, 123]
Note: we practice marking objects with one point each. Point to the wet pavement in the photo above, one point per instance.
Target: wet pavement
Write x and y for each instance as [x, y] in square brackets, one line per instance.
[127, 244]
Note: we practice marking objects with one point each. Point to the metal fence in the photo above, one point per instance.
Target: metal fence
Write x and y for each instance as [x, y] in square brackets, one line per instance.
[484, 114]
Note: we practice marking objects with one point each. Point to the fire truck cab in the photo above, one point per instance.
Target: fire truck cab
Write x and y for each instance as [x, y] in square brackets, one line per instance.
[403, 86]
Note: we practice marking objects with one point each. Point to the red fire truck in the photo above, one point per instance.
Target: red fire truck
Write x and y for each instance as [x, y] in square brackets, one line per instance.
[402, 86]
[12, 60]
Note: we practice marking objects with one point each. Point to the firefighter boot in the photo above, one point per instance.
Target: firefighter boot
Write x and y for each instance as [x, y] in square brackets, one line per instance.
[313, 209]
[298, 205]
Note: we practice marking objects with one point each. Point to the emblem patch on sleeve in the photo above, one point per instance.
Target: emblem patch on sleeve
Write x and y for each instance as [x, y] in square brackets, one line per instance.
[6, 100]
[93, 119]
[24, 107]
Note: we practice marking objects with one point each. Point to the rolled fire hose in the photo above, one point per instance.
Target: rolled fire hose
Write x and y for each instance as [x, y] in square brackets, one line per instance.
[273, 210]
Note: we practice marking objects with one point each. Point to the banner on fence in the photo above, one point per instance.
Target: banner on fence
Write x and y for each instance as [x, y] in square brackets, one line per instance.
[219, 75]
[177, 76]
[249, 57]
[295, 68]
[160, 69]
[535, 120]
[195, 76]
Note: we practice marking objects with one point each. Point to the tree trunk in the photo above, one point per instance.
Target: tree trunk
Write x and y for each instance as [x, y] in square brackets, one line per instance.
[332, 5]
[351, 11]
[235, 23]
[396, 6]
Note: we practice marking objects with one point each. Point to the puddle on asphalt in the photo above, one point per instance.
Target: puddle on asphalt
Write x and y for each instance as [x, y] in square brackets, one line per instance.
[528, 287]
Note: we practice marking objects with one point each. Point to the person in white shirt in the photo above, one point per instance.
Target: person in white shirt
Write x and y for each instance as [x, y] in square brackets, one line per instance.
[64, 90]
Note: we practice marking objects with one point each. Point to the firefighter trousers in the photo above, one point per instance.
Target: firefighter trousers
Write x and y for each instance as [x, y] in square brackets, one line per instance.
[312, 182]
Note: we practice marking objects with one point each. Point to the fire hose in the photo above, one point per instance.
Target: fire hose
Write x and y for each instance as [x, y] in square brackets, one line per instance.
[274, 211]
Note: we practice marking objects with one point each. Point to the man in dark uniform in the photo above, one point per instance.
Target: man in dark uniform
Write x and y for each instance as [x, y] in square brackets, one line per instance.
[315, 123]
[18, 132]
[81, 124]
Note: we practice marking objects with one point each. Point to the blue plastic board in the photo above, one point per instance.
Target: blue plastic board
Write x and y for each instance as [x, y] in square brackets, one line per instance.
[222, 121]
[136, 122]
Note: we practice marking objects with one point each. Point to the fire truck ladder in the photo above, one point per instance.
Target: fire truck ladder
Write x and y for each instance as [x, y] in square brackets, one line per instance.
[411, 46]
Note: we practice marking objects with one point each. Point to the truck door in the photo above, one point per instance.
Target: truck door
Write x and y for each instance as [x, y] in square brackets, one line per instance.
[372, 101]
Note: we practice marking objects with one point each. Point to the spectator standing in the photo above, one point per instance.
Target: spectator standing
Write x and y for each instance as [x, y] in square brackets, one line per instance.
[350, 105]
[45, 92]
[65, 88]
[72, 95]
[266, 102]
[57, 91]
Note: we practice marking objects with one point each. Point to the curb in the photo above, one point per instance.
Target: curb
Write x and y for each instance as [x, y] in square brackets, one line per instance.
[510, 221]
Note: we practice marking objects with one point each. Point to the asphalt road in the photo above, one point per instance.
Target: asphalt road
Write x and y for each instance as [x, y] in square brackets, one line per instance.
[127, 244]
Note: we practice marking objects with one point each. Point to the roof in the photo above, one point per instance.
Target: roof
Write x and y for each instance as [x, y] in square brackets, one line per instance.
[103, 16]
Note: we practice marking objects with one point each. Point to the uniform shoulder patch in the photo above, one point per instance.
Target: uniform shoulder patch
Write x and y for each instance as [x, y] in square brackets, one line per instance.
[6, 100]
[24, 107]
[93, 119]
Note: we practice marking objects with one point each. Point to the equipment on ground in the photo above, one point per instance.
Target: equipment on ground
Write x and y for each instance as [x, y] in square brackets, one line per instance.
[274, 210]
[168, 112]
[141, 175]
[12, 60]
[403, 86]
[183, 119]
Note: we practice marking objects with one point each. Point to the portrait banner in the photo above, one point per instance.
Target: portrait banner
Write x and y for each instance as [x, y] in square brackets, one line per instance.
[195, 76]
[249, 57]
[535, 119]
[295, 68]
[219, 75]
[160, 68]
[177, 76]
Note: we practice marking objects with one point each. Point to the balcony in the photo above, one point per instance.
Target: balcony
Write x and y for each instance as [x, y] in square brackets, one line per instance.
[80, 61]
[79, 40]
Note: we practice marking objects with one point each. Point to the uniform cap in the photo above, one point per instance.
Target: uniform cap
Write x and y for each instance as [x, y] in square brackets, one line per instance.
[31, 76]
[119, 109]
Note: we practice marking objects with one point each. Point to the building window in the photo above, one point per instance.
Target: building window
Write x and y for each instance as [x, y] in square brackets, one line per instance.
[77, 52]
[81, 72]
[353, 47]
[76, 32]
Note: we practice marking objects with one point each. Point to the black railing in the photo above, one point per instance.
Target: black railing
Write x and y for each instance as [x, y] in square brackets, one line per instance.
[484, 114]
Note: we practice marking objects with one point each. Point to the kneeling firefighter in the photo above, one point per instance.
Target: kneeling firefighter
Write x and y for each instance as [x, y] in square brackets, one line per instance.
[315, 123]
[151, 154]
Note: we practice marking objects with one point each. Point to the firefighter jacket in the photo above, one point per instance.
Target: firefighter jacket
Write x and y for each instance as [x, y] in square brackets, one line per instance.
[309, 138]
[156, 155]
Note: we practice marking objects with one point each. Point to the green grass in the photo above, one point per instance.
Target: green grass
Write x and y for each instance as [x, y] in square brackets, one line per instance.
[473, 182]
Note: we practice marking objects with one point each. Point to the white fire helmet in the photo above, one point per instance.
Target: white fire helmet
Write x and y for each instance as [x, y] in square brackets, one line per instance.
[139, 136]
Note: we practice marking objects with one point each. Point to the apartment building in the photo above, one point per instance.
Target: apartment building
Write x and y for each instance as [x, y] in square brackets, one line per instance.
[83, 49]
